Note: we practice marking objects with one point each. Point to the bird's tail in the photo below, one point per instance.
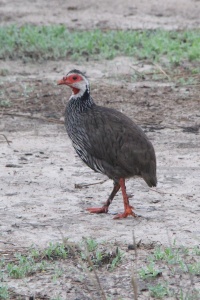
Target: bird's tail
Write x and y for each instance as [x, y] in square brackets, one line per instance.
[150, 179]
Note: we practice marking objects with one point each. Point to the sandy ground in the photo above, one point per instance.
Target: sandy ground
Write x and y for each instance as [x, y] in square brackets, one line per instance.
[39, 197]
[104, 14]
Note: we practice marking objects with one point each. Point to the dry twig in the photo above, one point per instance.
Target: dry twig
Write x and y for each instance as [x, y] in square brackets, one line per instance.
[80, 186]
[134, 271]
[34, 118]
[162, 71]
[8, 142]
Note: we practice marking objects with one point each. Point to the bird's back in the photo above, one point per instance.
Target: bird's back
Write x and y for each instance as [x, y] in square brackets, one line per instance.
[111, 143]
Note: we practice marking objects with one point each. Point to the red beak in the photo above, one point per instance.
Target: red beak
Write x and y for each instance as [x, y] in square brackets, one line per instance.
[63, 81]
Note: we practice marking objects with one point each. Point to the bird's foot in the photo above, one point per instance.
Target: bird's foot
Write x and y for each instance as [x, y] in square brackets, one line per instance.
[128, 212]
[98, 210]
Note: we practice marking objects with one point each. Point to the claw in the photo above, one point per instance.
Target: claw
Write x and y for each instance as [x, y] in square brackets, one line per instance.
[128, 212]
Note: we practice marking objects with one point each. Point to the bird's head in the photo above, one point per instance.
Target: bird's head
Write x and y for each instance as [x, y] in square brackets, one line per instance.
[77, 81]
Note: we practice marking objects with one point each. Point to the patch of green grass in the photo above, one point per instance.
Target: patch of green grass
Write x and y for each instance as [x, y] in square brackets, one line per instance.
[24, 266]
[4, 293]
[150, 271]
[99, 256]
[189, 295]
[58, 272]
[159, 291]
[194, 268]
[58, 261]
[91, 244]
[196, 250]
[55, 251]
[186, 81]
[195, 71]
[36, 260]
[173, 261]
[5, 103]
[57, 42]
[168, 254]
[117, 259]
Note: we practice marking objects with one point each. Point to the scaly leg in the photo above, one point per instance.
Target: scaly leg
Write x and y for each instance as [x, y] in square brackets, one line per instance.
[104, 208]
[127, 208]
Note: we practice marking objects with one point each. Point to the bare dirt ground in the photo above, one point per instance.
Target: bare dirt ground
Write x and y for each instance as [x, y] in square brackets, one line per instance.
[41, 178]
[104, 14]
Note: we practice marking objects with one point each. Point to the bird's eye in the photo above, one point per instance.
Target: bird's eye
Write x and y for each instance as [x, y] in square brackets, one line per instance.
[74, 77]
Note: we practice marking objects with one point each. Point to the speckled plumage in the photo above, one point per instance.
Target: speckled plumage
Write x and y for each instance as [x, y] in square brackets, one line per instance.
[108, 141]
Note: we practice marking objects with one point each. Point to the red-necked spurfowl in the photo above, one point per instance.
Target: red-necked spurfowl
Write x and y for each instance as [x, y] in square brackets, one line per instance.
[107, 141]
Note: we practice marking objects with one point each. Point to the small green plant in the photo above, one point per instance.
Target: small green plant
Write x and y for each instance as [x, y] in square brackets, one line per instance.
[55, 251]
[5, 103]
[159, 291]
[91, 249]
[27, 89]
[16, 271]
[20, 269]
[158, 254]
[169, 254]
[195, 71]
[188, 295]
[58, 272]
[99, 256]
[175, 261]
[150, 271]
[183, 81]
[25, 266]
[91, 244]
[35, 253]
[196, 250]
[4, 293]
[117, 259]
[194, 268]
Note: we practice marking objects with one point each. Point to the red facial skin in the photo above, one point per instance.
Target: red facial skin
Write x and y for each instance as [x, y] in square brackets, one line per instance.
[69, 80]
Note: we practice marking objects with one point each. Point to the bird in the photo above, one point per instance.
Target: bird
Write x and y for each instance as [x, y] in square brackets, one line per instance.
[107, 141]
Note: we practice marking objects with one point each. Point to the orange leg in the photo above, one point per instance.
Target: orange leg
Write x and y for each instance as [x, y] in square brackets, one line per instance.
[127, 208]
[104, 208]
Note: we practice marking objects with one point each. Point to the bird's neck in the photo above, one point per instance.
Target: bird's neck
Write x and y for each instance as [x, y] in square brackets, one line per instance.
[81, 101]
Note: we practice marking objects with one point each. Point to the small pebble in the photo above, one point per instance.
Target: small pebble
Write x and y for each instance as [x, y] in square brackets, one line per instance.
[131, 247]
